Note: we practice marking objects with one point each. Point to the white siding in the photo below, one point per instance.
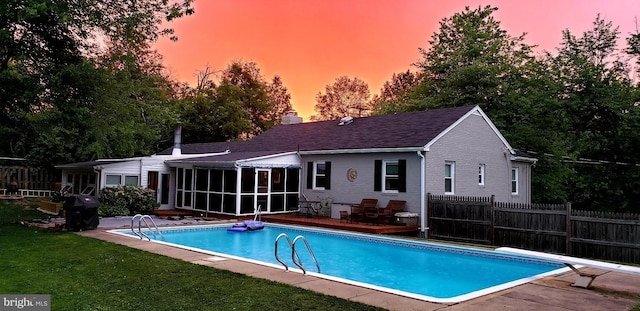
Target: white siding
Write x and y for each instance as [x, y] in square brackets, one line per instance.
[156, 163]
[153, 163]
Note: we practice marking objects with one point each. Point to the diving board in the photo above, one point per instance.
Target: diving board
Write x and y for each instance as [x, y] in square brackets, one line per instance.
[584, 279]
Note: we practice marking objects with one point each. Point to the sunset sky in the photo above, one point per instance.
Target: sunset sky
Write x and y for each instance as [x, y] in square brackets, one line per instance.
[309, 43]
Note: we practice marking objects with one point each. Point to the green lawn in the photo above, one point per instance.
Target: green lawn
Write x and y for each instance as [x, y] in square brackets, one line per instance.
[88, 274]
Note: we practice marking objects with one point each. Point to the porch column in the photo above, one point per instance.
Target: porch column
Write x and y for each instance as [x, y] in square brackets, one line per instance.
[238, 188]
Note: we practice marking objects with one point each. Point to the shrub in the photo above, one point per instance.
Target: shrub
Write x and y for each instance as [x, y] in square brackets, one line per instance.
[134, 199]
[110, 211]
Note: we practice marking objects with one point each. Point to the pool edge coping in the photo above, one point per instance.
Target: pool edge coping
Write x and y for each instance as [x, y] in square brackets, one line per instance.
[424, 298]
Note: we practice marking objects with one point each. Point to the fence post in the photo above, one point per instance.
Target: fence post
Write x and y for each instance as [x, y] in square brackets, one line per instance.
[569, 228]
[426, 213]
[493, 219]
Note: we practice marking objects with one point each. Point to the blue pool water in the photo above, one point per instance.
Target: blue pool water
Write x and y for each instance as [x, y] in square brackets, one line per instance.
[415, 269]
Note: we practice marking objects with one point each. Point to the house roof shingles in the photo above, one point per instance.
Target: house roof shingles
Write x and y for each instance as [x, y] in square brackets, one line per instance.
[402, 130]
[410, 129]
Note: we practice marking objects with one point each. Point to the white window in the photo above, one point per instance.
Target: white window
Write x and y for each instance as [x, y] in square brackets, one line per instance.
[481, 174]
[391, 176]
[449, 177]
[113, 180]
[514, 181]
[116, 180]
[131, 180]
[319, 175]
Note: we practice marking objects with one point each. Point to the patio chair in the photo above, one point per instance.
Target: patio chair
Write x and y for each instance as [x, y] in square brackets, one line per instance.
[358, 211]
[393, 206]
[371, 215]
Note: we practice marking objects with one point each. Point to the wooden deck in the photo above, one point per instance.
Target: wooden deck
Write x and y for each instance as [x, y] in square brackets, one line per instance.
[333, 223]
[305, 220]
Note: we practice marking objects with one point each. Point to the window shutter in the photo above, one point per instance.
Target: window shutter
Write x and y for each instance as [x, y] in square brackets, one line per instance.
[377, 176]
[327, 175]
[402, 175]
[309, 175]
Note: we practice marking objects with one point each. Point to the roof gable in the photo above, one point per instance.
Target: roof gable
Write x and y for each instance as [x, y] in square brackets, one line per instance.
[477, 111]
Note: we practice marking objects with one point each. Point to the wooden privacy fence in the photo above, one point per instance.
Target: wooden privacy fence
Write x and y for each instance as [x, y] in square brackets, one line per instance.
[552, 228]
[612, 236]
[28, 178]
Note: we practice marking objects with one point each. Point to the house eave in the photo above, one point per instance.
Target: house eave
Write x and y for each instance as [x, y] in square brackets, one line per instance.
[367, 150]
[231, 163]
[524, 159]
[267, 156]
[92, 164]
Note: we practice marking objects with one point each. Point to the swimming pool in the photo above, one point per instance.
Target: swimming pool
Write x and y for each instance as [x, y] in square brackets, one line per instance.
[414, 269]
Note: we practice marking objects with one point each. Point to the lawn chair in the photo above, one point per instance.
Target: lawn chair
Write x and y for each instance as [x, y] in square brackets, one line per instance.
[388, 212]
[371, 215]
[358, 211]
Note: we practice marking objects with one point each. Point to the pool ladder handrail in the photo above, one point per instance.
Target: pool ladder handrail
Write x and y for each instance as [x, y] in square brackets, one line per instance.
[294, 254]
[258, 213]
[153, 228]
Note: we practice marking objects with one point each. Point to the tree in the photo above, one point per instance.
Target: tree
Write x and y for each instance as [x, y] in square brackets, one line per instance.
[241, 106]
[345, 97]
[254, 95]
[213, 114]
[633, 48]
[471, 61]
[49, 73]
[279, 101]
[396, 93]
[600, 111]
[73, 81]
[109, 111]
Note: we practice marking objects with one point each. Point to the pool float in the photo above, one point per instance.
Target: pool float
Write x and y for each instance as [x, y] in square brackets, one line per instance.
[247, 225]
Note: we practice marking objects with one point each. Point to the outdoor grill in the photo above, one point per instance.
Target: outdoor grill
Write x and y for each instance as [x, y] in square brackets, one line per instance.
[81, 212]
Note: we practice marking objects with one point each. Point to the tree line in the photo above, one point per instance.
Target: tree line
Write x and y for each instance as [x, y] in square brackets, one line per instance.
[79, 81]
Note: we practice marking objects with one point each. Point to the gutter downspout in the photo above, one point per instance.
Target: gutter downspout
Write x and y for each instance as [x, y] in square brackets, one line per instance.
[423, 211]
[238, 168]
[300, 187]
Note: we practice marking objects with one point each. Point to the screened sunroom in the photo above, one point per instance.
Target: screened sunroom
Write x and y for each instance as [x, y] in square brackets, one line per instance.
[239, 187]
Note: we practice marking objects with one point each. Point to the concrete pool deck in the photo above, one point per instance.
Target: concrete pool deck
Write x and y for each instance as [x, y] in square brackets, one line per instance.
[611, 290]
